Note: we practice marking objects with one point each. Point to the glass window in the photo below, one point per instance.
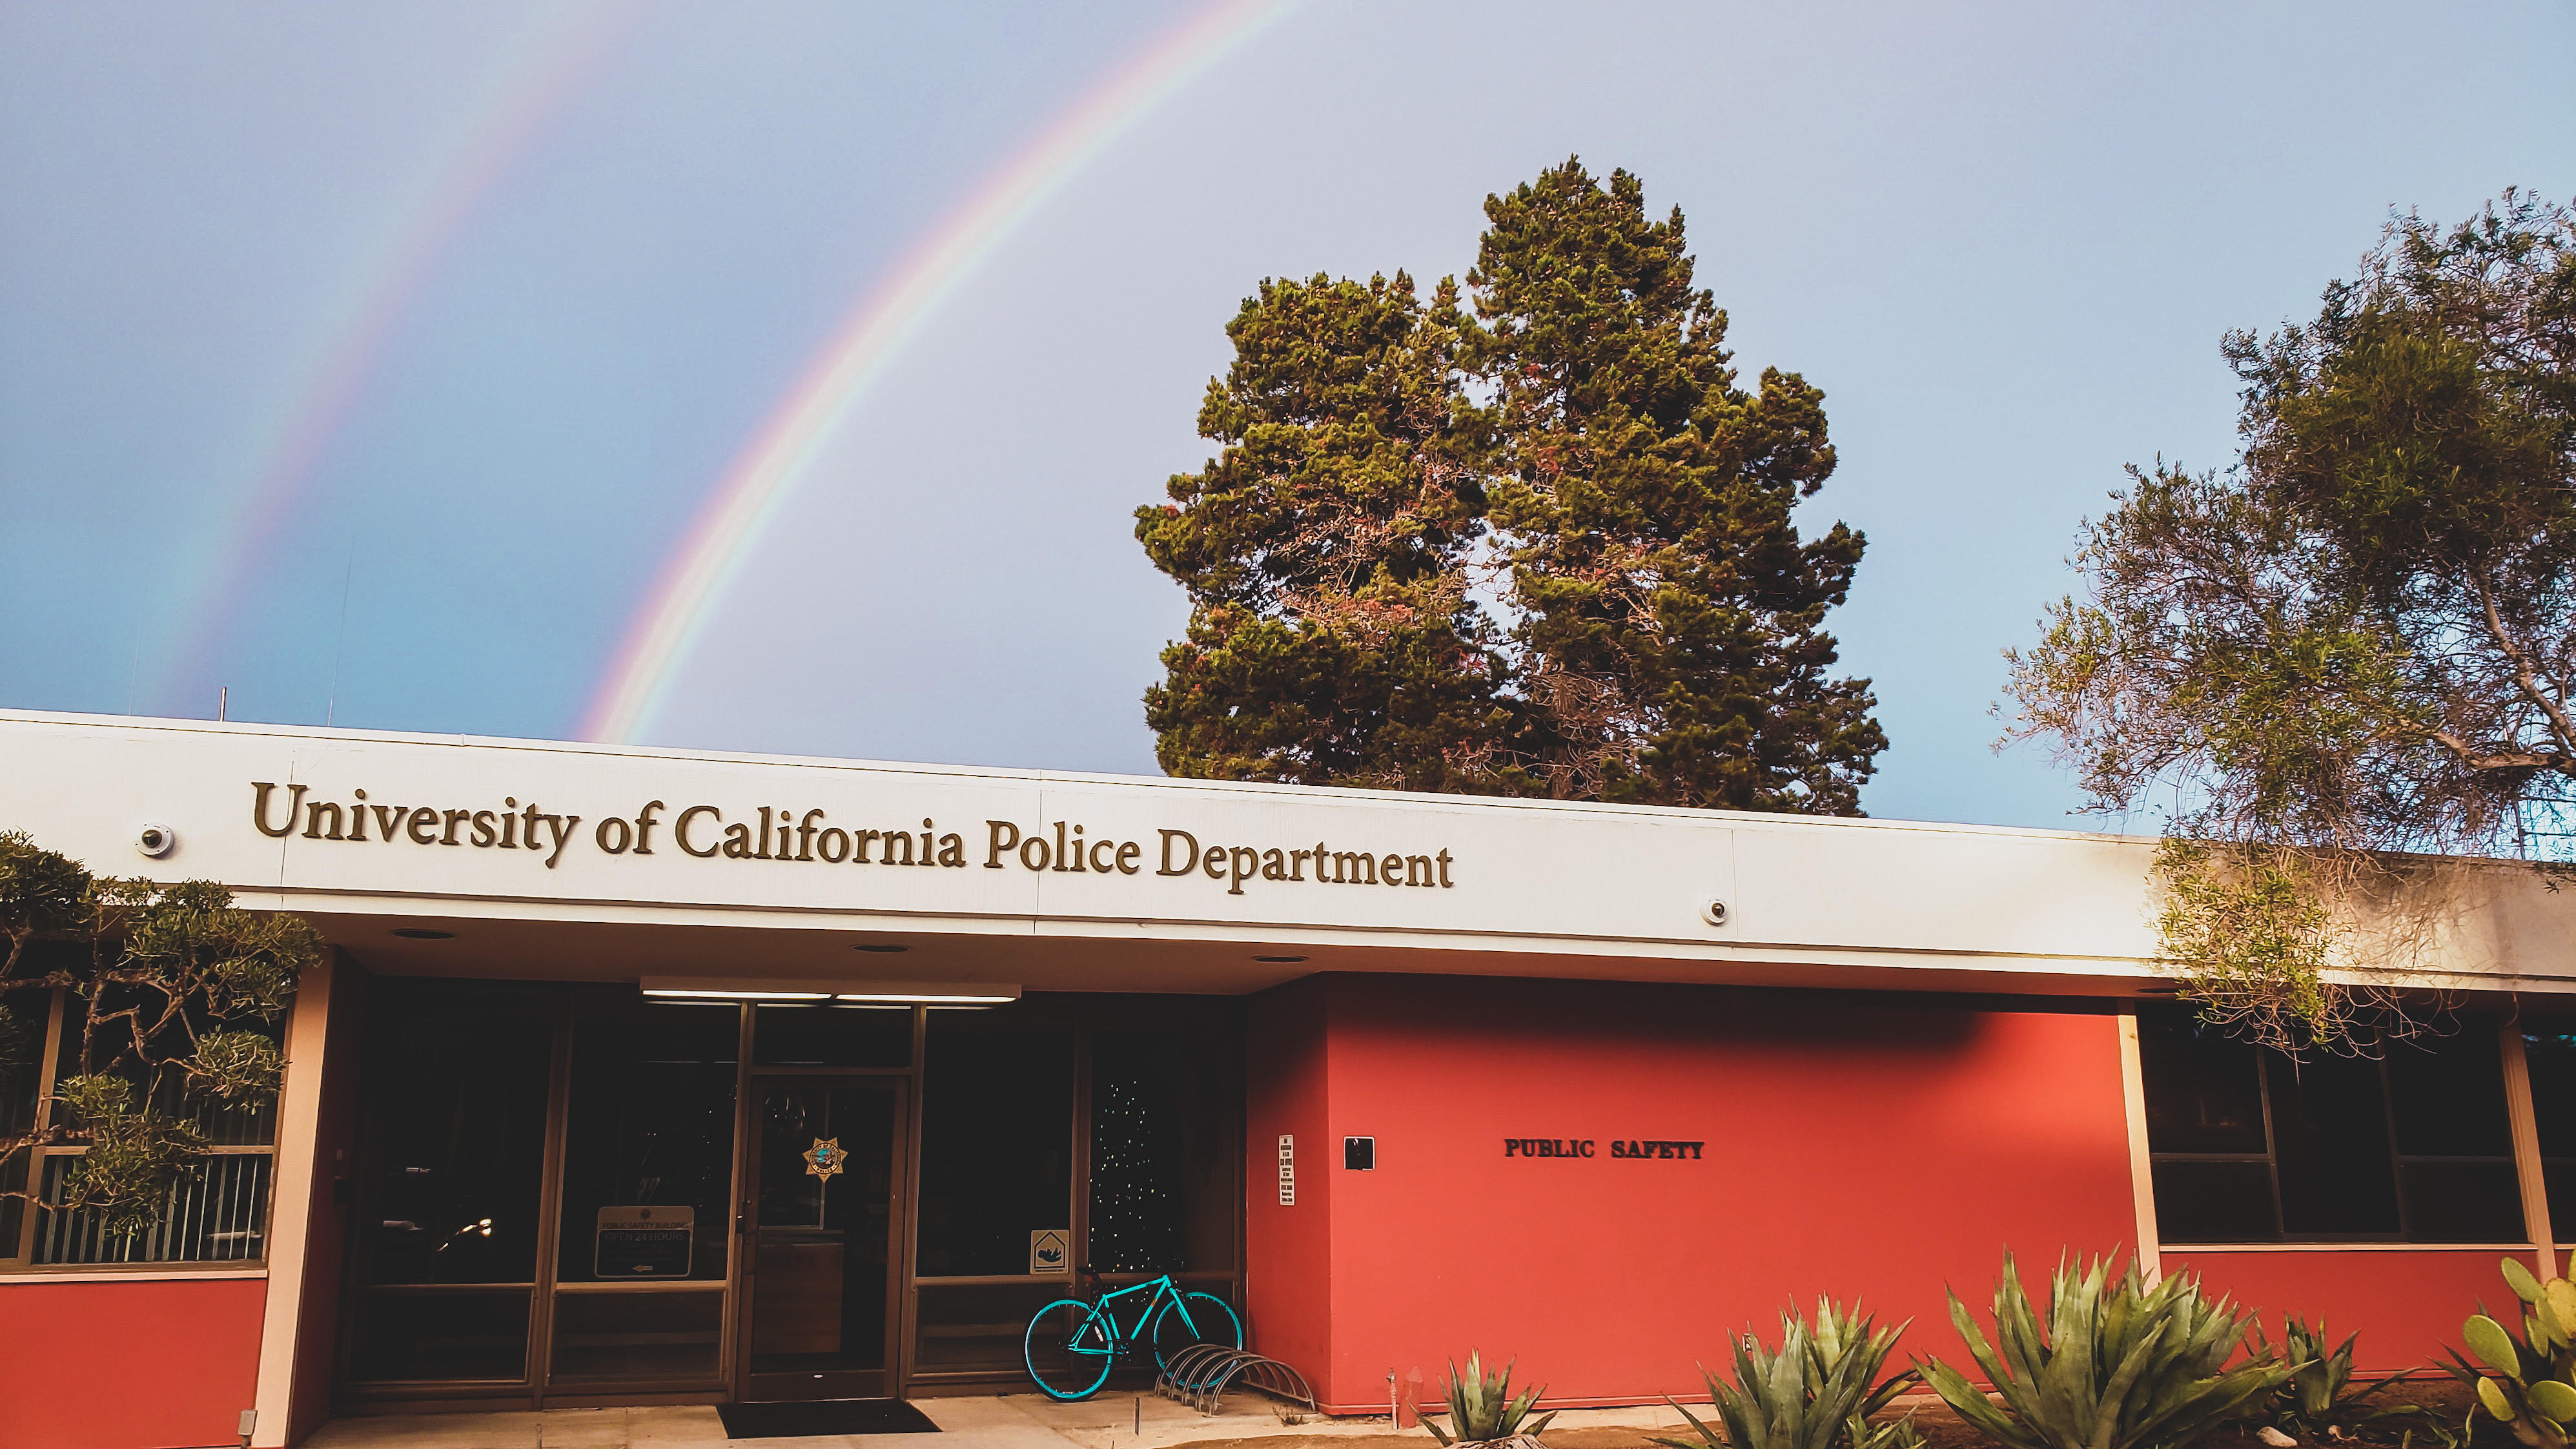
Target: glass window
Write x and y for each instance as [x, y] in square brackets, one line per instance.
[1166, 1098]
[665, 1336]
[2550, 1050]
[996, 1138]
[831, 1036]
[215, 1211]
[2252, 1146]
[452, 1126]
[650, 1127]
[23, 1018]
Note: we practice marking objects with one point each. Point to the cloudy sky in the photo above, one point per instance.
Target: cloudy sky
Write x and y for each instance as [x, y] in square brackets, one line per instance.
[781, 376]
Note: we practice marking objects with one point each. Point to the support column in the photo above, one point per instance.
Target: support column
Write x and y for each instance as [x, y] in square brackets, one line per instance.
[2526, 1150]
[2142, 1180]
[290, 1196]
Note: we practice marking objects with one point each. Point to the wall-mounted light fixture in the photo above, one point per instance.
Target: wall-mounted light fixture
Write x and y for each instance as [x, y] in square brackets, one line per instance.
[876, 993]
[1279, 960]
[881, 948]
[423, 933]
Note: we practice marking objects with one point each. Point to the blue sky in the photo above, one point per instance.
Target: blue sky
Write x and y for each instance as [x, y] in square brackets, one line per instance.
[2004, 240]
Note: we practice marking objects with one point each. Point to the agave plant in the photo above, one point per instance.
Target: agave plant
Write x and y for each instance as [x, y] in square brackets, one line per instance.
[1482, 1410]
[2319, 1399]
[1815, 1393]
[2533, 1387]
[2119, 1366]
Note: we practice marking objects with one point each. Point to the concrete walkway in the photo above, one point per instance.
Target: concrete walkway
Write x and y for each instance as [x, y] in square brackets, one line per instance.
[1014, 1421]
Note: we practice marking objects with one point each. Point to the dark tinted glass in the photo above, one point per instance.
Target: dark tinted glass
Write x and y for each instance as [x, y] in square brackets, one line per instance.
[2448, 1094]
[440, 1336]
[2551, 1054]
[651, 1125]
[996, 1137]
[453, 1126]
[2214, 1202]
[831, 1036]
[658, 1336]
[2463, 1202]
[2204, 1093]
[23, 1015]
[1166, 1104]
[2330, 1127]
[22, 1048]
[240, 1123]
[823, 1250]
[2559, 1175]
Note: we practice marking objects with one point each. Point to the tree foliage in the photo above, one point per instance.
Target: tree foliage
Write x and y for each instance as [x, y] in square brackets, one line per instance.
[174, 993]
[2360, 639]
[1529, 538]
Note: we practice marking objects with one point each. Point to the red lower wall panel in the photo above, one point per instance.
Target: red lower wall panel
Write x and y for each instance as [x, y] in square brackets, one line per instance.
[1852, 1146]
[127, 1365]
[2405, 1305]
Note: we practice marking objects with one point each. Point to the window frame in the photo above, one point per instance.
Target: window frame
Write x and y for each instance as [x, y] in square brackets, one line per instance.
[2510, 1083]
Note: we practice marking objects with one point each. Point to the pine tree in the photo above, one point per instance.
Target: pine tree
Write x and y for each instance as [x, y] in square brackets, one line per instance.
[1577, 454]
[1670, 633]
[1331, 639]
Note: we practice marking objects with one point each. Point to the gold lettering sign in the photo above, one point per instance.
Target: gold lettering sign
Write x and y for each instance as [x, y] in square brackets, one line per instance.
[703, 832]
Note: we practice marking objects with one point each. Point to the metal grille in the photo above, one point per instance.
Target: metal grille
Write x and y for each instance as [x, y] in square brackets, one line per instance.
[216, 1214]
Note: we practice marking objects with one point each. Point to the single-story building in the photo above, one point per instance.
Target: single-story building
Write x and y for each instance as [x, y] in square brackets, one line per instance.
[649, 1076]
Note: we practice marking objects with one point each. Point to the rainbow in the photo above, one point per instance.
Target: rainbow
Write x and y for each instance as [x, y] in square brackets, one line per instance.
[666, 626]
[540, 70]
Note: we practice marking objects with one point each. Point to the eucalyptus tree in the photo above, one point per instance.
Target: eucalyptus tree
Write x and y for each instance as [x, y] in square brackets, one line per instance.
[2357, 642]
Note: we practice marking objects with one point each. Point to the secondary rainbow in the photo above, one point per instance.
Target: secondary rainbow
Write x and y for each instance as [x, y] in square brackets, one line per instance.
[542, 68]
[666, 627]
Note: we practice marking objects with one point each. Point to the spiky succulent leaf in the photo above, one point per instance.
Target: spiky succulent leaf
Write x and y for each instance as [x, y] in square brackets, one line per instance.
[2120, 1366]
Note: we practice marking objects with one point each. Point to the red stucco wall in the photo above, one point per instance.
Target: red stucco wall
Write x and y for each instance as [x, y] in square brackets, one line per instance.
[127, 1365]
[2405, 1305]
[1288, 1250]
[1854, 1146]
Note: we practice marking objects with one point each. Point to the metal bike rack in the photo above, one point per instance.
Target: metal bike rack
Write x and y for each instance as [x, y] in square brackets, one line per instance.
[1200, 1374]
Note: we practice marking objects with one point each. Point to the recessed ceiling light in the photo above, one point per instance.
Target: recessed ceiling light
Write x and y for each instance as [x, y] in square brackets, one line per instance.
[423, 933]
[882, 948]
[1280, 960]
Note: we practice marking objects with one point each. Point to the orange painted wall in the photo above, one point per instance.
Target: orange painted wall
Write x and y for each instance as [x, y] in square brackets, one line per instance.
[127, 1365]
[2405, 1305]
[1855, 1145]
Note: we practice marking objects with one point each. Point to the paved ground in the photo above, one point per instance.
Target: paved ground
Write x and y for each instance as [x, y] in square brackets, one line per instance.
[1017, 1421]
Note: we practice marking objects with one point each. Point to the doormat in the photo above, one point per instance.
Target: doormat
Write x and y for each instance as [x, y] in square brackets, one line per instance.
[823, 1416]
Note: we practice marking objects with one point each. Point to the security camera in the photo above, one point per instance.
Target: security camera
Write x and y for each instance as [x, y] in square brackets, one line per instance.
[1714, 913]
[156, 841]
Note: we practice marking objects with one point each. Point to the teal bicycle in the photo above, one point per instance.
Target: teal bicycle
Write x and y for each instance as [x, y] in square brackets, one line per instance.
[1072, 1343]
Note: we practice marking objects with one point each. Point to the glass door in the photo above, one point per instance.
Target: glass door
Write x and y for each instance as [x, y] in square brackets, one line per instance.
[822, 1226]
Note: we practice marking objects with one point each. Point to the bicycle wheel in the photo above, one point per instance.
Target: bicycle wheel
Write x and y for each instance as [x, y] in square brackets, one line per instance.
[1194, 1318]
[1068, 1350]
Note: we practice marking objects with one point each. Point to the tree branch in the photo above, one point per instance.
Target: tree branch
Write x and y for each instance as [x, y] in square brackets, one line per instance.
[2522, 671]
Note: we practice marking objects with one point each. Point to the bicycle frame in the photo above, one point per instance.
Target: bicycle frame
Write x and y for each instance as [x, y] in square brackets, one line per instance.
[1100, 1333]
